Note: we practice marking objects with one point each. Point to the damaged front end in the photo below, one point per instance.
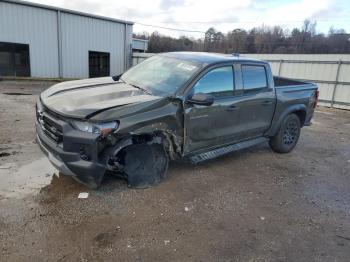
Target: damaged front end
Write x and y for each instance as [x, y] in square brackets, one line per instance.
[72, 152]
[138, 145]
[142, 158]
[86, 150]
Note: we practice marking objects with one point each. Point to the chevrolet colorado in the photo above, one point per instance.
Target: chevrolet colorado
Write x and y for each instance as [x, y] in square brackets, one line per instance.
[174, 105]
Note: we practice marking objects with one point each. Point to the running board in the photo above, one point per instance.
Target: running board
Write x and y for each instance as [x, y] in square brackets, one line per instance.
[227, 149]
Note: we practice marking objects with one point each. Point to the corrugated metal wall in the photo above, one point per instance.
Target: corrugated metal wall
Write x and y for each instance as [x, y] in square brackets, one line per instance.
[128, 46]
[36, 27]
[331, 72]
[83, 34]
[45, 30]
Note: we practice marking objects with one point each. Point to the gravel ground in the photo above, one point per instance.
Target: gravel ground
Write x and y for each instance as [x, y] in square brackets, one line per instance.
[252, 205]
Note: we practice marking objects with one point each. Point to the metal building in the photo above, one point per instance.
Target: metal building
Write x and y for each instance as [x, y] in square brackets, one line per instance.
[44, 41]
[139, 45]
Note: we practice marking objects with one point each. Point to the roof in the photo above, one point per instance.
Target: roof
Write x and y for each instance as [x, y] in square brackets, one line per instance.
[208, 58]
[53, 8]
[140, 40]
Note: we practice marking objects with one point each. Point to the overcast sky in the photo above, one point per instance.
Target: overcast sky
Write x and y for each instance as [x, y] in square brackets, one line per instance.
[224, 15]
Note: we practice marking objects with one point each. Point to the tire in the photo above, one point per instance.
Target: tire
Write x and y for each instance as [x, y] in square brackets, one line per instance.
[145, 165]
[288, 135]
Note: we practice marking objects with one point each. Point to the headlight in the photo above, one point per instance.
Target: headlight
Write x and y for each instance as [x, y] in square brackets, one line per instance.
[97, 128]
[39, 106]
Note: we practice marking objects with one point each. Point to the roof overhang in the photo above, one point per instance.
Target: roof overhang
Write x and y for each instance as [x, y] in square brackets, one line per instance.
[68, 11]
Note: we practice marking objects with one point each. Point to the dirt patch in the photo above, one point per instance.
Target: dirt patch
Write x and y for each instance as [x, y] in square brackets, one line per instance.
[4, 154]
[105, 239]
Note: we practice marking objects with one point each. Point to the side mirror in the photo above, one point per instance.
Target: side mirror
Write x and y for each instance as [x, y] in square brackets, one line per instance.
[117, 77]
[201, 99]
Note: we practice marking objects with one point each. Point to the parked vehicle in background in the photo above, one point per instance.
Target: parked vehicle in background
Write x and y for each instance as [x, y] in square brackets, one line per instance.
[174, 105]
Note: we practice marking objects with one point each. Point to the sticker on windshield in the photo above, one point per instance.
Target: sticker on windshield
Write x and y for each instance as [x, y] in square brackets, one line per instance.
[186, 67]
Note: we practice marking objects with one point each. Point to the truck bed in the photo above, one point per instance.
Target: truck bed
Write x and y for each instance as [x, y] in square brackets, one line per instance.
[283, 82]
[294, 94]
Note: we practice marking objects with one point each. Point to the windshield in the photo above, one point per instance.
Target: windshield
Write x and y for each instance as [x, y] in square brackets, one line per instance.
[160, 75]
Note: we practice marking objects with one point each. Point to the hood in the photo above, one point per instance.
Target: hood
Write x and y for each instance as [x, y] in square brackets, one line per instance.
[86, 98]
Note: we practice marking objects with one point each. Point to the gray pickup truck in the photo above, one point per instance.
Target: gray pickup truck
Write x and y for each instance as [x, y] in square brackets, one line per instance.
[195, 106]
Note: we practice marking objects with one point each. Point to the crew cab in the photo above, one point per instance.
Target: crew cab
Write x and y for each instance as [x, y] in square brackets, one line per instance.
[179, 105]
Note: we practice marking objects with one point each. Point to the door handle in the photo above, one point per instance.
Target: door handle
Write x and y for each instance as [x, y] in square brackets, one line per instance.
[265, 103]
[232, 108]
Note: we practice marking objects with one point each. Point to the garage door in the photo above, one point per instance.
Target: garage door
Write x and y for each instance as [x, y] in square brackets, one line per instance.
[98, 64]
[14, 59]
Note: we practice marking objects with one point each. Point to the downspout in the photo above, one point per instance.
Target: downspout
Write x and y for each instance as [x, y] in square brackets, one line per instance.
[125, 48]
[59, 44]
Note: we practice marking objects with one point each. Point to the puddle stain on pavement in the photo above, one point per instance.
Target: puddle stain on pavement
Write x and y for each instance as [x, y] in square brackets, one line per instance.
[20, 181]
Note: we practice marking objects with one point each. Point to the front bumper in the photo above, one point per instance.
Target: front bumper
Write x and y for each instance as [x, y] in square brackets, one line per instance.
[69, 162]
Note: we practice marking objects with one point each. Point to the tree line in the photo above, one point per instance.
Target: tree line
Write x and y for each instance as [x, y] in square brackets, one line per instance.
[262, 40]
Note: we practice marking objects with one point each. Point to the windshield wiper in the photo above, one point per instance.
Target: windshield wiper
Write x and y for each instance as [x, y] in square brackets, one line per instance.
[143, 89]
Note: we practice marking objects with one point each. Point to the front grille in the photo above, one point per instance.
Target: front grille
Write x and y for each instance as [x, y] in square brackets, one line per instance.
[50, 126]
[52, 129]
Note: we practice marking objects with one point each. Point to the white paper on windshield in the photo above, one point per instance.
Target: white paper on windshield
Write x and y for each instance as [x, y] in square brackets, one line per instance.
[186, 67]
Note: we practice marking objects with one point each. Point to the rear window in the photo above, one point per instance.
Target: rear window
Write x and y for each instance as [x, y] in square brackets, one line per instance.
[254, 77]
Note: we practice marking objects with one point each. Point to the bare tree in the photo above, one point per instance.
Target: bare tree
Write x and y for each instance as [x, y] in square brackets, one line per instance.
[262, 39]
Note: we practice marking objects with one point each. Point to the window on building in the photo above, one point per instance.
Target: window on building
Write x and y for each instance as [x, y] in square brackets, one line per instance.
[217, 82]
[99, 64]
[14, 59]
[254, 77]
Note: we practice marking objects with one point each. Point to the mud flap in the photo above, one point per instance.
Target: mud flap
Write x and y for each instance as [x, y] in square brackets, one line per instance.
[145, 165]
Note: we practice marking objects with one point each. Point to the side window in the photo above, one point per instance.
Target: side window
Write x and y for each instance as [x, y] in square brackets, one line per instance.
[254, 77]
[217, 82]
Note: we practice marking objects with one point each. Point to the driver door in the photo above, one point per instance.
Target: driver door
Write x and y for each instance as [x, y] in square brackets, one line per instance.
[211, 126]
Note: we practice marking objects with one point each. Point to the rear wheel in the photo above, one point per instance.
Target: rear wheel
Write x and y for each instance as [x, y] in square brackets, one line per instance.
[288, 135]
[145, 165]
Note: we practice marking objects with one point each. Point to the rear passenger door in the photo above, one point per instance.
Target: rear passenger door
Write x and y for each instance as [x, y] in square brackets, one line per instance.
[257, 101]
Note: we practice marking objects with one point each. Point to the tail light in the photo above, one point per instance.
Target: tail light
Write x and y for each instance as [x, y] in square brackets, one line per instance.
[313, 100]
[317, 93]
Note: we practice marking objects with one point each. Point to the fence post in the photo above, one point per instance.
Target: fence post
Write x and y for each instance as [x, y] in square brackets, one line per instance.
[279, 67]
[336, 82]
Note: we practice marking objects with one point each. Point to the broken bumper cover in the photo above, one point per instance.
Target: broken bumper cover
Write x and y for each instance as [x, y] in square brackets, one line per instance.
[88, 172]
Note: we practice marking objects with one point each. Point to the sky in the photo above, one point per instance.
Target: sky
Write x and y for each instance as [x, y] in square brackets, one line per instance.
[224, 15]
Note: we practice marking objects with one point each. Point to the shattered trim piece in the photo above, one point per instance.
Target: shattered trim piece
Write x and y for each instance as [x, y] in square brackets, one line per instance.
[83, 195]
